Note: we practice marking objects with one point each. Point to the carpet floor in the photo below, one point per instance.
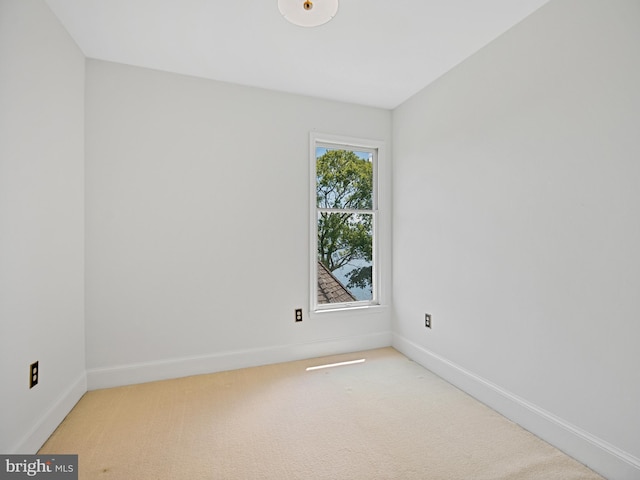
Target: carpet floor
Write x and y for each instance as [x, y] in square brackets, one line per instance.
[382, 418]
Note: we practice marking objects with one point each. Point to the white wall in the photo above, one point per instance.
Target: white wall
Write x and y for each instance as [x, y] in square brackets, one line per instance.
[517, 225]
[197, 225]
[41, 223]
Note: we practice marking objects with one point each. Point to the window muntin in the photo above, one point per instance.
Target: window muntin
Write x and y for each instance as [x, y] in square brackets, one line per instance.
[344, 231]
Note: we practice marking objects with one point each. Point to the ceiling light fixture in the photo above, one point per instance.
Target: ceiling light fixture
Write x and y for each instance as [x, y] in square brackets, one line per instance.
[307, 13]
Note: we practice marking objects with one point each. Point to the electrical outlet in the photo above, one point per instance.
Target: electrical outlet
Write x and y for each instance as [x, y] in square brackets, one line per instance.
[427, 320]
[298, 314]
[34, 374]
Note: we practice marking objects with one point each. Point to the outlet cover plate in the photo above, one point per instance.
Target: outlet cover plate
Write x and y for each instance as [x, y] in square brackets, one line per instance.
[34, 374]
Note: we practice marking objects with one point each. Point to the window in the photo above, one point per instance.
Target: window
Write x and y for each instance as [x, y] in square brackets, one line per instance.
[345, 270]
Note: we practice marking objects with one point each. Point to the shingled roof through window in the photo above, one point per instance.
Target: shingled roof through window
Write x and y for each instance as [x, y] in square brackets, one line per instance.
[330, 289]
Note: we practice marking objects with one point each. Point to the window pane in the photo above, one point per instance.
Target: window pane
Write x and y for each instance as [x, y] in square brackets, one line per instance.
[344, 179]
[345, 257]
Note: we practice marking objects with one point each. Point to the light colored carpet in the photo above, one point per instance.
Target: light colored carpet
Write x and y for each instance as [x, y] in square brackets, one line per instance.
[384, 418]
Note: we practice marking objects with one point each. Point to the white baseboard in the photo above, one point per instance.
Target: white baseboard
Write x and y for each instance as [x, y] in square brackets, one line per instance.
[230, 360]
[45, 426]
[599, 455]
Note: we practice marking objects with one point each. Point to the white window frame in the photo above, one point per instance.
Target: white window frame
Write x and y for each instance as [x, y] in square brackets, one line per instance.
[378, 211]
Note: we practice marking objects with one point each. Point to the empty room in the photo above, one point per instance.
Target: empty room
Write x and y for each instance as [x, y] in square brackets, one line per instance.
[293, 239]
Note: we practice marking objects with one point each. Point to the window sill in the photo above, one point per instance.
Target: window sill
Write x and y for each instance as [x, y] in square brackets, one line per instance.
[355, 310]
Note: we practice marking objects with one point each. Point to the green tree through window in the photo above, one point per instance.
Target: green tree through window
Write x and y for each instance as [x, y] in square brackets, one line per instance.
[345, 201]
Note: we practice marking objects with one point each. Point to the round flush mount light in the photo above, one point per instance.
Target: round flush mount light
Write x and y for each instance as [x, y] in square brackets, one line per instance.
[308, 13]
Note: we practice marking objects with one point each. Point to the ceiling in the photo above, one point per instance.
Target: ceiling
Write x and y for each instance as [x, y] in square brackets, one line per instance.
[374, 52]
